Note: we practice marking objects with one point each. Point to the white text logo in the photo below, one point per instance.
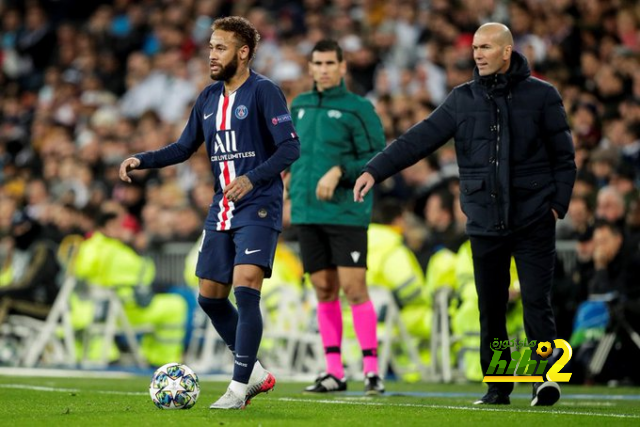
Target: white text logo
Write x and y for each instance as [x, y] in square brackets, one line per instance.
[226, 146]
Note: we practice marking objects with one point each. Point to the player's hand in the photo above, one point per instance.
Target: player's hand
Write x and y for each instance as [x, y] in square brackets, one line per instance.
[238, 188]
[362, 186]
[127, 166]
[328, 183]
[555, 214]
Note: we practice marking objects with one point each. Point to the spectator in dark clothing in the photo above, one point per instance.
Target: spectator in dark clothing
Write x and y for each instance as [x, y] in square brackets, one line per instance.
[609, 259]
[34, 271]
[36, 44]
[633, 223]
[444, 231]
[613, 298]
[610, 205]
[584, 271]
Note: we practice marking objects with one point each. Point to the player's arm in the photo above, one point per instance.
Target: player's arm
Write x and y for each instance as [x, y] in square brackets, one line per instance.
[417, 143]
[286, 153]
[273, 109]
[190, 140]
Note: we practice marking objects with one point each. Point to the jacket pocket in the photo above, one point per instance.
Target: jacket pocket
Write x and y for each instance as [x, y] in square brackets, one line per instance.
[470, 186]
[534, 182]
[475, 204]
[530, 197]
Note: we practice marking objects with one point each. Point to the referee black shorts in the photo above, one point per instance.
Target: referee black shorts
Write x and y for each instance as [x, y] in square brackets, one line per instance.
[329, 246]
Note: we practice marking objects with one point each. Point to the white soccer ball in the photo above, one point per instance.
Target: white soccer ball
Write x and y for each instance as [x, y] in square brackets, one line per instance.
[174, 386]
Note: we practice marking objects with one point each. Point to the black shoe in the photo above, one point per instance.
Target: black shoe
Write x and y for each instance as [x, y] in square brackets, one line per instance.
[327, 383]
[373, 385]
[493, 398]
[545, 394]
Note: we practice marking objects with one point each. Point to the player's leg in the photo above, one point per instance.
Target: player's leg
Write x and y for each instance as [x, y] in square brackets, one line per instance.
[491, 262]
[316, 260]
[535, 257]
[254, 253]
[215, 272]
[349, 250]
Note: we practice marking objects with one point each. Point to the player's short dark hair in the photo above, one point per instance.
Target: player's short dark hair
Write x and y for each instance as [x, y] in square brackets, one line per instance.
[242, 29]
[328, 45]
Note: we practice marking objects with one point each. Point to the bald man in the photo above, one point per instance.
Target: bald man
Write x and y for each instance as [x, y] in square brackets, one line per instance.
[517, 169]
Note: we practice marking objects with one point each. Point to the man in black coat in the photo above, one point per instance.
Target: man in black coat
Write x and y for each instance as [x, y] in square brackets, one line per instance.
[517, 170]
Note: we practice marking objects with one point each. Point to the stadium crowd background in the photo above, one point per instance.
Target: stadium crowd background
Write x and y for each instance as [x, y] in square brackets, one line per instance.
[85, 84]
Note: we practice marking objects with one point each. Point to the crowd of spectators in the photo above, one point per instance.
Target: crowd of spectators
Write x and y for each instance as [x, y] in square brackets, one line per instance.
[84, 84]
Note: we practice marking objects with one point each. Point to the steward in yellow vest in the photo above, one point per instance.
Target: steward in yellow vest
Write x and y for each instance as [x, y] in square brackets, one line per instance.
[104, 260]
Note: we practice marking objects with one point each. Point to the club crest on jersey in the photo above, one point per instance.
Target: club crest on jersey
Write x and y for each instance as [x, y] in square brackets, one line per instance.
[241, 112]
[281, 119]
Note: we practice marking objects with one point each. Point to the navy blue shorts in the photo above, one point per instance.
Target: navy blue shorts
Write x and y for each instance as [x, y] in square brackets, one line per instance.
[220, 251]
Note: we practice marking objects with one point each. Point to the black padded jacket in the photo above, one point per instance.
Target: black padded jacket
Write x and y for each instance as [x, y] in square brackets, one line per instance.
[513, 145]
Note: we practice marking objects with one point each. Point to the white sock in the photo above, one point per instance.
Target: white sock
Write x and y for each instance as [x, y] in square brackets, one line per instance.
[257, 373]
[238, 389]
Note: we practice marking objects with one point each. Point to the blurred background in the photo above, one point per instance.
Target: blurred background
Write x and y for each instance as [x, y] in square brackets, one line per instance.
[85, 84]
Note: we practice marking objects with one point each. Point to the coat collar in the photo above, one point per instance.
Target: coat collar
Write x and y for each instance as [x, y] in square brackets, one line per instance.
[332, 91]
[499, 84]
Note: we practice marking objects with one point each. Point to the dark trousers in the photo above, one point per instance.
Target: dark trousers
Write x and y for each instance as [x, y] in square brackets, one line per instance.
[534, 251]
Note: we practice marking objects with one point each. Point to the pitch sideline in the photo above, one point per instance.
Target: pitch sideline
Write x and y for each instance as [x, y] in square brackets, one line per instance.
[460, 408]
[353, 401]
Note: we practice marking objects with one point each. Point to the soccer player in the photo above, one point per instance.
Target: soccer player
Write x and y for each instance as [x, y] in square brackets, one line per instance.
[339, 133]
[245, 124]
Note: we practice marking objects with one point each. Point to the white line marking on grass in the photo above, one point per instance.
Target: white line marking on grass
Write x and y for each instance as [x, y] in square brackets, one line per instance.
[590, 403]
[71, 390]
[39, 388]
[459, 408]
[352, 401]
[63, 373]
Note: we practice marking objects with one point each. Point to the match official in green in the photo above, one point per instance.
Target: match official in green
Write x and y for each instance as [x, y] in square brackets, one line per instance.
[339, 133]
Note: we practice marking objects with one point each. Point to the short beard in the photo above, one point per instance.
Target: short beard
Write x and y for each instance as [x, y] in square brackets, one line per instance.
[227, 72]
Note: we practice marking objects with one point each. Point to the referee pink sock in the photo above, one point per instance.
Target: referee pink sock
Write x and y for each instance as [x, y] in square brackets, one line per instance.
[330, 325]
[365, 323]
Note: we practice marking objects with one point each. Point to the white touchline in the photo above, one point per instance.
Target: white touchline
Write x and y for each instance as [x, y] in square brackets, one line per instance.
[71, 390]
[355, 401]
[361, 402]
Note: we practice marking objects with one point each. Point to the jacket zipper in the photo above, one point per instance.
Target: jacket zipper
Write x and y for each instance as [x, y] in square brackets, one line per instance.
[311, 194]
[500, 225]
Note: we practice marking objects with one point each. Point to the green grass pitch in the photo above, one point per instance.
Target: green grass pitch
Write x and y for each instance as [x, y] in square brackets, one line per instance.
[36, 401]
